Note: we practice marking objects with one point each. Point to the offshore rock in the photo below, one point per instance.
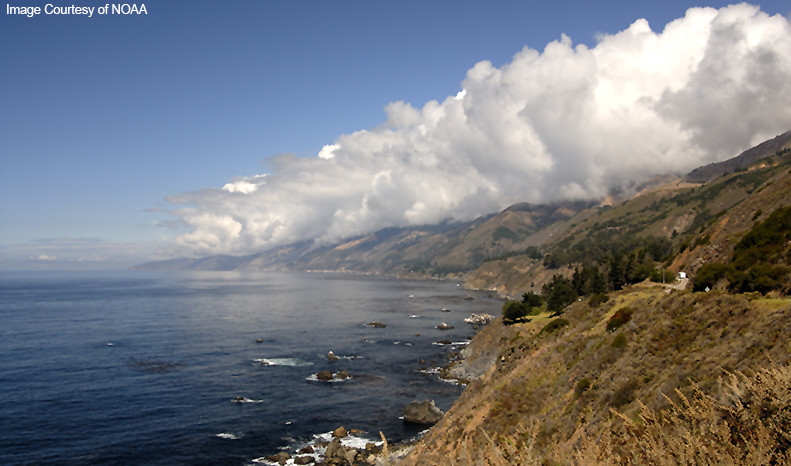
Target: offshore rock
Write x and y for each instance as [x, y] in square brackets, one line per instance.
[444, 326]
[306, 450]
[422, 412]
[340, 432]
[331, 356]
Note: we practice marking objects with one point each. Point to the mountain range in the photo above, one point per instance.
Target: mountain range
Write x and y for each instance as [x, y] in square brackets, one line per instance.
[698, 214]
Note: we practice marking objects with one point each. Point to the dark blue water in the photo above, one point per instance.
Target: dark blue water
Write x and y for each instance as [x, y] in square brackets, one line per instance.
[142, 368]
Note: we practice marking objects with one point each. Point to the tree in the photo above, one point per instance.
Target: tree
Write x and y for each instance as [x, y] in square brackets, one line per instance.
[531, 299]
[559, 293]
[514, 311]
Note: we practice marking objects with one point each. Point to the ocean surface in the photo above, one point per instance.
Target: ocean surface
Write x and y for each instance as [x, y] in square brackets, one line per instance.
[145, 367]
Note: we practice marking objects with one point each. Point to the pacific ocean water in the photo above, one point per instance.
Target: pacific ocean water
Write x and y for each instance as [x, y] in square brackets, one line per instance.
[145, 367]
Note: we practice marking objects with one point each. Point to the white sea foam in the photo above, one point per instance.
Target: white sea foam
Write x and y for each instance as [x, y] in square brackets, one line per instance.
[313, 378]
[242, 399]
[413, 316]
[229, 436]
[452, 343]
[355, 441]
[294, 362]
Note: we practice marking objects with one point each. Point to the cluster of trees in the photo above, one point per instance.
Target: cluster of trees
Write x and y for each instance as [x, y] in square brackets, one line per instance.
[604, 247]
[760, 260]
[618, 265]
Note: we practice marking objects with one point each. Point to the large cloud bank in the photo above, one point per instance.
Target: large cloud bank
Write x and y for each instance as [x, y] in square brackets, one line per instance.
[570, 122]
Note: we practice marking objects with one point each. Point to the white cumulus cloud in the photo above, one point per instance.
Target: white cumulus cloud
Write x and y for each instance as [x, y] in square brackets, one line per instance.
[568, 122]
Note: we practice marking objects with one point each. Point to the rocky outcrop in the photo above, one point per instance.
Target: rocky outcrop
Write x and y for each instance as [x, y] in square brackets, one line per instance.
[338, 454]
[479, 319]
[422, 412]
[279, 458]
[444, 326]
[329, 376]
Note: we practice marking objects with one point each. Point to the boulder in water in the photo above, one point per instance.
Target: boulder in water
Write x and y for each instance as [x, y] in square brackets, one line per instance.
[279, 458]
[340, 432]
[331, 356]
[444, 326]
[307, 450]
[324, 376]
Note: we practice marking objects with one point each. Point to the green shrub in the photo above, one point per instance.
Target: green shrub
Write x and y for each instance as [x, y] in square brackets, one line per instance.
[619, 341]
[582, 386]
[598, 299]
[555, 324]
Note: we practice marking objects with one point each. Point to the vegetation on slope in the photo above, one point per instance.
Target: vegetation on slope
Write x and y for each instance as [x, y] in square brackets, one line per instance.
[562, 387]
[679, 227]
[640, 373]
[760, 259]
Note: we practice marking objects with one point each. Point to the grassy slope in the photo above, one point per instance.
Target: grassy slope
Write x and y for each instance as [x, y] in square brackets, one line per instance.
[533, 397]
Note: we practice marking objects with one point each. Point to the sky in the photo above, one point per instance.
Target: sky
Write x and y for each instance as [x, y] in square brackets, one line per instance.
[208, 127]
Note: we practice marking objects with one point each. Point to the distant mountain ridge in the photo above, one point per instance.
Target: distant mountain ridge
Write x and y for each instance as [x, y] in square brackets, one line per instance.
[712, 171]
[508, 252]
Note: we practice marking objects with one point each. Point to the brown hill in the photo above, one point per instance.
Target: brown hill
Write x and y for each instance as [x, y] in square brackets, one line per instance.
[564, 393]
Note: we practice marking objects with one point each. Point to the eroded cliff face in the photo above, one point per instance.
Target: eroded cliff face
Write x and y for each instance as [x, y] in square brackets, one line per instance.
[549, 393]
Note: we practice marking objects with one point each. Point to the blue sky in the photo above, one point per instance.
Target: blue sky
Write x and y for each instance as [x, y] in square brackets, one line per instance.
[103, 119]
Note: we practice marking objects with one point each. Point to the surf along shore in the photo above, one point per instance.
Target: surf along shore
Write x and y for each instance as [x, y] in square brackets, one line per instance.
[467, 361]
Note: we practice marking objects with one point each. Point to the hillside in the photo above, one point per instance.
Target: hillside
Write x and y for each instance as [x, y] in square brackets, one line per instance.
[565, 393]
[686, 224]
[636, 371]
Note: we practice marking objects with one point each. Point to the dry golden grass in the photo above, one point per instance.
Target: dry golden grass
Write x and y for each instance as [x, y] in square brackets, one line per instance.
[682, 378]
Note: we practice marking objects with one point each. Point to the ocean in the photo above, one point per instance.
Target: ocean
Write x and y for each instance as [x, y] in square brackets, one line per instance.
[136, 367]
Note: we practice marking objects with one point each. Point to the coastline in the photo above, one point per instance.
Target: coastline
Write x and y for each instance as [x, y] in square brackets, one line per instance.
[462, 367]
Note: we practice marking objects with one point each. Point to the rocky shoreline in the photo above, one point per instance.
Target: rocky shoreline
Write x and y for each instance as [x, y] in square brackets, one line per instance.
[347, 446]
